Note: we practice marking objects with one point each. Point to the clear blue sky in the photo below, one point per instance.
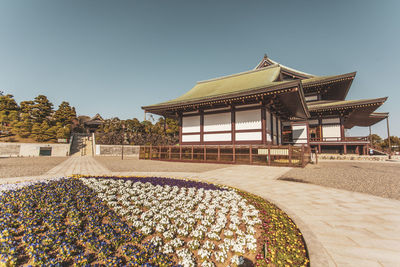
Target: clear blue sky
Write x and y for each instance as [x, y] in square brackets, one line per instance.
[113, 57]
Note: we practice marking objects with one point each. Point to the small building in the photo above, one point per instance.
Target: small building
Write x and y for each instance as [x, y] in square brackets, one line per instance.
[273, 104]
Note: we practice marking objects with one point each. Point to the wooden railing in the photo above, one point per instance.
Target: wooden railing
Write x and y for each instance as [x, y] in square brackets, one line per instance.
[340, 139]
[244, 154]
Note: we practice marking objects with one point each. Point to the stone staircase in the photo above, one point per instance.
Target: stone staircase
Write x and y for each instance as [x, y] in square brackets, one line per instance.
[81, 145]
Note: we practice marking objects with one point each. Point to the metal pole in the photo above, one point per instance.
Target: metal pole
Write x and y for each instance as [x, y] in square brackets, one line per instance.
[390, 146]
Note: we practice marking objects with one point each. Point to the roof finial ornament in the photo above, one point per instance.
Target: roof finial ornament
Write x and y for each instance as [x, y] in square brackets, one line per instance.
[265, 55]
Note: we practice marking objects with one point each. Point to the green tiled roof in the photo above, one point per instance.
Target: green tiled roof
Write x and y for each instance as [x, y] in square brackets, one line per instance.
[317, 79]
[332, 104]
[245, 81]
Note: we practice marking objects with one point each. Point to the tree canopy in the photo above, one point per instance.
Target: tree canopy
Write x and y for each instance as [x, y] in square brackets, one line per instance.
[35, 119]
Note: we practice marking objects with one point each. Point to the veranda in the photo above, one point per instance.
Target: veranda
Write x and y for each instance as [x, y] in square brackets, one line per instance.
[270, 155]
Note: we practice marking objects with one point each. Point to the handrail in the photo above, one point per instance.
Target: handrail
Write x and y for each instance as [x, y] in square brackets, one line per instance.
[340, 139]
[282, 155]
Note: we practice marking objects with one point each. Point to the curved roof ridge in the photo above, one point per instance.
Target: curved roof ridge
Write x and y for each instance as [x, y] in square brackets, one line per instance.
[291, 69]
[238, 74]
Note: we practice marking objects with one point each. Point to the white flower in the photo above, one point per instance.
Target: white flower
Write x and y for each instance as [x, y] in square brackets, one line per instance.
[228, 233]
[176, 243]
[168, 248]
[146, 230]
[157, 241]
[208, 245]
[193, 244]
[220, 256]
[235, 260]
[207, 264]
[204, 254]
[169, 234]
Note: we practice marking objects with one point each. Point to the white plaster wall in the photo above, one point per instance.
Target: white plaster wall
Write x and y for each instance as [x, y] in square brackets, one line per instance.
[9, 149]
[191, 124]
[217, 122]
[299, 132]
[311, 98]
[248, 119]
[32, 149]
[269, 137]
[333, 120]
[217, 137]
[250, 136]
[191, 138]
[331, 132]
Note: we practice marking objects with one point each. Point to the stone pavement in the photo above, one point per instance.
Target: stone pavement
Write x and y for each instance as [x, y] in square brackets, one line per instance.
[341, 228]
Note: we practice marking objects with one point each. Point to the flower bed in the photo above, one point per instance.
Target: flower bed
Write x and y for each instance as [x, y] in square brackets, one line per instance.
[161, 221]
[63, 222]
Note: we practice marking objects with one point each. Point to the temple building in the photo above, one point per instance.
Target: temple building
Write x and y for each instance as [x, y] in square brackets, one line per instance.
[273, 104]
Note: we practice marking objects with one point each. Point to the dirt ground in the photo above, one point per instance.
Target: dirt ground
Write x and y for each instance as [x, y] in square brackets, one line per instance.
[380, 179]
[16, 167]
[115, 164]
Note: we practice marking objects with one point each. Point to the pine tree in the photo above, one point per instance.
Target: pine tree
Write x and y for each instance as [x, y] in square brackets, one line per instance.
[23, 128]
[8, 111]
[65, 113]
[42, 109]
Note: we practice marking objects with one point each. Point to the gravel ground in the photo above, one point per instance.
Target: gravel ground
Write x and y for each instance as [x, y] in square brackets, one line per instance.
[15, 167]
[379, 179]
[115, 164]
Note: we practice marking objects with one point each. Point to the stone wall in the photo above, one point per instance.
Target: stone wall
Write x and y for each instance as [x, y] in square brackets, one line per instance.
[32, 149]
[116, 150]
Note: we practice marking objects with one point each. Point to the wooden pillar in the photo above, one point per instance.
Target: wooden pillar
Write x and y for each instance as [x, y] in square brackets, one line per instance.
[263, 125]
[345, 149]
[192, 152]
[342, 132]
[170, 152]
[251, 154]
[159, 152]
[205, 153]
[269, 154]
[290, 155]
[201, 127]
[233, 122]
[180, 152]
[233, 153]
[388, 132]
[151, 151]
[180, 129]
[319, 148]
[370, 136]
[277, 129]
[358, 150]
[219, 153]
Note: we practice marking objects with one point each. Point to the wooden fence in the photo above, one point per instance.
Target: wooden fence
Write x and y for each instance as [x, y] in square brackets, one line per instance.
[297, 156]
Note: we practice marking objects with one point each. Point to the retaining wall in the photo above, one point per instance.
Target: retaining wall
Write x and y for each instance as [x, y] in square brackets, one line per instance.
[32, 149]
[116, 150]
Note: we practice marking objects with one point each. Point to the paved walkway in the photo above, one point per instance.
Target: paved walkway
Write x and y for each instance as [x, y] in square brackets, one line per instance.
[341, 228]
